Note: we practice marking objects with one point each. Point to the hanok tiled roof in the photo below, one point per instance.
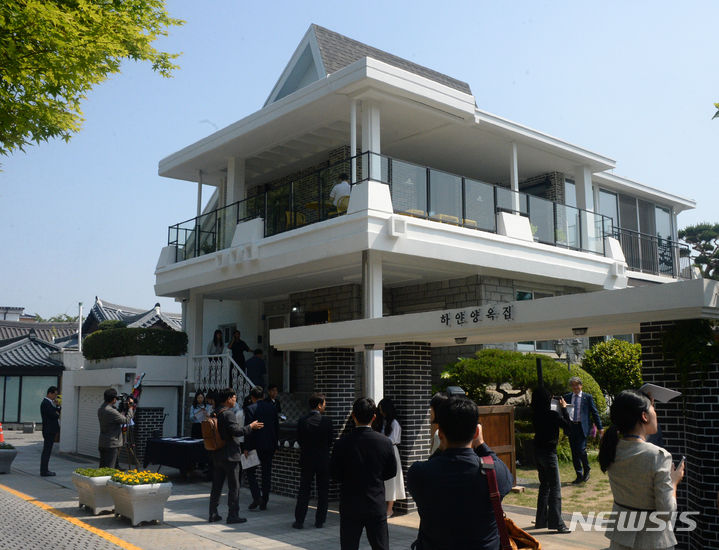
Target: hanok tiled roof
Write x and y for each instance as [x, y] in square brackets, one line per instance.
[27, 352]
[132, 317]
[44, 331]
[338, 51]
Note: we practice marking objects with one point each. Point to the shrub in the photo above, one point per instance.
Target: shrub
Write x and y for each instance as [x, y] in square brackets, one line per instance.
[110, 324]
[494, 367]
[96, 472]
[121, 342]
[616, 365]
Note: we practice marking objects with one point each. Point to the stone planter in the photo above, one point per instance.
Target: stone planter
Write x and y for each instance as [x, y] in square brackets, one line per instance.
[93, 493]
[6, 458]
[140, 502]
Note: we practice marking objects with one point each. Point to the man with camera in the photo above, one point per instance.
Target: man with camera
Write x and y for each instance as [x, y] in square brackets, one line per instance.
[111, 422]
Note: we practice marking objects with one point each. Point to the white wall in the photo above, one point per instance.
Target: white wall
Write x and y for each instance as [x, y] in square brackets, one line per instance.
[245, 314]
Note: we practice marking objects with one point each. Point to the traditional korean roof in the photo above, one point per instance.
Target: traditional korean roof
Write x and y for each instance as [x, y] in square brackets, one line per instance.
[45, 331]
[28, 351]
[132, 317]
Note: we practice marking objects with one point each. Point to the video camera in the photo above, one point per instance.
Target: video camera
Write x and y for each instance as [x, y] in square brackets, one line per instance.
[124, 402]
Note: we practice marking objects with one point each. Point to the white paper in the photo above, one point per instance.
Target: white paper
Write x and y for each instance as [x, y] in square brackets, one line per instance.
[249, 461]
[659, 393]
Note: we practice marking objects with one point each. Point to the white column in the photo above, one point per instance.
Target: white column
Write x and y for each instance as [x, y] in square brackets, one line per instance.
[514, 177]
[353, 138]
[585, 201]
[199, 192]
[371, 137]
[234, 192]
[372, 298]
[193, 314]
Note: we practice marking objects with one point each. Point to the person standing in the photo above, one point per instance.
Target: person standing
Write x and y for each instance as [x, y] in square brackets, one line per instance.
[256, 369]
[362, 460]
[451, 492]
[546, 436]
[641, 475]
[199, 411]
[50, 414]
[272, 392]
[111, 423]
[264, 442]
[387, 425]
[314, 435]
[238, 347]
[583, 412]
[216, 347]
[226, 461]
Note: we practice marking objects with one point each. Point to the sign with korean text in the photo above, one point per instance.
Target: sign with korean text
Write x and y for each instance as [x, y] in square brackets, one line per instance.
[477, 315]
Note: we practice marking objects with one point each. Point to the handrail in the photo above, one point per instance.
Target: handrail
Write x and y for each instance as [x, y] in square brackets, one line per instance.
[653, 254]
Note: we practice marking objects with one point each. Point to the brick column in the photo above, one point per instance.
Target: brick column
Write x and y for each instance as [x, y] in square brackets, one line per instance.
[408, 382]
[335, 377]
[690, 427]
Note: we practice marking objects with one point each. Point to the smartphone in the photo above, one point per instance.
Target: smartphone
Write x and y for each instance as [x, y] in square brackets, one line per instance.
[681, 462]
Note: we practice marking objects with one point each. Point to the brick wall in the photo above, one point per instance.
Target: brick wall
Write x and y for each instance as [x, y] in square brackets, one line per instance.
[147, 421]
[689, 427]
[408, 382]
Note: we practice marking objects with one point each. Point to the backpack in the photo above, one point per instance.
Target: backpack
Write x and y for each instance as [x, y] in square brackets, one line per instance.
[211, 433]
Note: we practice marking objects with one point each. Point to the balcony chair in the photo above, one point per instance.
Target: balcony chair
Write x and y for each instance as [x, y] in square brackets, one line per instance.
[299, 219]
[342, 205]
[445, 218]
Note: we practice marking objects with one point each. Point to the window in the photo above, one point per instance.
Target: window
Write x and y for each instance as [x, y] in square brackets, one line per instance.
[34, 389]
[608, 206]
[570, 193]
[539, 345]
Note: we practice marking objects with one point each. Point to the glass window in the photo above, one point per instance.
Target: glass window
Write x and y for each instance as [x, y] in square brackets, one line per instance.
[479, 207]
[628, 213]
[664, 222]
[608, 206]
[445, 196]
[570, 193]
[543, 345]
[409, 188]
[646, 218]
[12, 398]
[34, 390]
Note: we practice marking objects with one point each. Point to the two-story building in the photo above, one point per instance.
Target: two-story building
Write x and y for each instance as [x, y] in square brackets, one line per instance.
[450, 206]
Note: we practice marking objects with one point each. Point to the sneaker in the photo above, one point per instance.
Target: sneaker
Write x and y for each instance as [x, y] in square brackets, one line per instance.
[236, 520]
[215, 517]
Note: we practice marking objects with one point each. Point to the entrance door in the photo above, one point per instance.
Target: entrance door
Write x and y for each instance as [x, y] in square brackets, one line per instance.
[277, 363]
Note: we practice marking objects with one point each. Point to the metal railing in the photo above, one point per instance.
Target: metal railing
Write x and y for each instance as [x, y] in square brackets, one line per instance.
[652, 254]
[216, 372]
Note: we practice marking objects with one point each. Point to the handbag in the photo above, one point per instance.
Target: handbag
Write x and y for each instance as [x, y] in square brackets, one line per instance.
[511, 536]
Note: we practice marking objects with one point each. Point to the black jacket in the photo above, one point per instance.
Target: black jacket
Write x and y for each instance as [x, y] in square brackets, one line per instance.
[361, 462]
[452, 498]
[266, 438]
[50, 415]
[231, 431]
[315, 434]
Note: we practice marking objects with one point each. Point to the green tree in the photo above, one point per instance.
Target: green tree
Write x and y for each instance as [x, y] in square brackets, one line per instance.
[704, 239]
[52, 52]
[616, 365]
[716, 115]
[60, 318]
[491, 368]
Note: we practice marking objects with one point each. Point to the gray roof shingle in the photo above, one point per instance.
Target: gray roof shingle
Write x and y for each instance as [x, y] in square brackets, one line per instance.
[44, 331]
[338, 51]
[27, 351]
[132, 317]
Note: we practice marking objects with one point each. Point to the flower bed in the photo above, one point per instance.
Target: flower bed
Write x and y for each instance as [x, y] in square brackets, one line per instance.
[91, 485]
[139, 496]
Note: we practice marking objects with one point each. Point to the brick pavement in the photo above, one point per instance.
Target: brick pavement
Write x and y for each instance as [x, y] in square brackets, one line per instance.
[186, 527]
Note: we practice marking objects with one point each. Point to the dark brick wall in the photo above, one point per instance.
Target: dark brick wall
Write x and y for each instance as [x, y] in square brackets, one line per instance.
[147, 420]
[690, 426]
[408, 382]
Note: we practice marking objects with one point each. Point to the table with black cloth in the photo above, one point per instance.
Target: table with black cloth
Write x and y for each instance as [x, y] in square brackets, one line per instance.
[183, 453]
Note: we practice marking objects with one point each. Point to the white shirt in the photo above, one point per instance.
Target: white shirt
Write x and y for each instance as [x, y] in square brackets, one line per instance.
[342, 189]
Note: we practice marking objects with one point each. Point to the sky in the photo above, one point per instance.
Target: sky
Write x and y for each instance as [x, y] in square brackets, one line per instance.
[631, 80]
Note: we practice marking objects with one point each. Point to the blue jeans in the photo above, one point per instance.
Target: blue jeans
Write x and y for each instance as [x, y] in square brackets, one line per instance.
[549, 499]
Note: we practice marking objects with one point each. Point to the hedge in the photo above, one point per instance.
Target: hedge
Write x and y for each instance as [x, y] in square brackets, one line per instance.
[121, 342]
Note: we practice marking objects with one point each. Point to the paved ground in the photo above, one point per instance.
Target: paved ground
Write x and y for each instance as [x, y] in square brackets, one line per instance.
[26, 524]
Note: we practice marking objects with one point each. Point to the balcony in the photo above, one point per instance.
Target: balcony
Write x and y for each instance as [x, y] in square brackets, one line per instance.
[424, 192]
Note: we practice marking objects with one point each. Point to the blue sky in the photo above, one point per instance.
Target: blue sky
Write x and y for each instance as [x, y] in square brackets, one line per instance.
[634, 81]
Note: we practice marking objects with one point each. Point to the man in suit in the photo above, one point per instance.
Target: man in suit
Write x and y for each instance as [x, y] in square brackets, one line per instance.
[451, 491]
[111, 423]
[50, 413]
[583, 412]
[264, 442]
[226, 461]
[314, 435]
[272, 391]
[362, 460]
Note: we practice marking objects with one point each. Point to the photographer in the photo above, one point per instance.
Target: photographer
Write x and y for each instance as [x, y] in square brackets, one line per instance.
[111, 423]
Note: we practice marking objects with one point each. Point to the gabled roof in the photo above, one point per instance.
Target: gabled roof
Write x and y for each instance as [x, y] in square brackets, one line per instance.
[132, 317]
[46, 331]
[323, 52]
[28, 351]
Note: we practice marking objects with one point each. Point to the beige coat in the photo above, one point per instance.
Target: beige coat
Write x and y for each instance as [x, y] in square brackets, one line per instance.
[640, 480]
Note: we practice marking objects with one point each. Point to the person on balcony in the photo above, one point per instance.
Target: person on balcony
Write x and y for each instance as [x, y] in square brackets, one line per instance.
[341, 189]
[216, 347]
[238, 347]
[256, 369]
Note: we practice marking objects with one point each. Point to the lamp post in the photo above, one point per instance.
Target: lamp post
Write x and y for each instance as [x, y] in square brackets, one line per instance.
[569, 347]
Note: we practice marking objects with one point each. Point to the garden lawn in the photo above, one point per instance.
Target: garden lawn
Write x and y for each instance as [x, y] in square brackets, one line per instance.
[592, 496]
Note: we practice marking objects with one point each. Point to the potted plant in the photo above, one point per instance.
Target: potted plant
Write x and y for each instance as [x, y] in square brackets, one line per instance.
[139, 496]
[7, 455]
[91, 485]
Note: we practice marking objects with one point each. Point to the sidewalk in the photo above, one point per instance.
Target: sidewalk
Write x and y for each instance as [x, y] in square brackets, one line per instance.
[185, 526]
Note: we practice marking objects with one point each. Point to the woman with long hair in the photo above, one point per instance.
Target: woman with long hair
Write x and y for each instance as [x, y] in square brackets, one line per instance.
[546, 435]
[386, 423]
[641, 475]
[199, 410]
[216, 346]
